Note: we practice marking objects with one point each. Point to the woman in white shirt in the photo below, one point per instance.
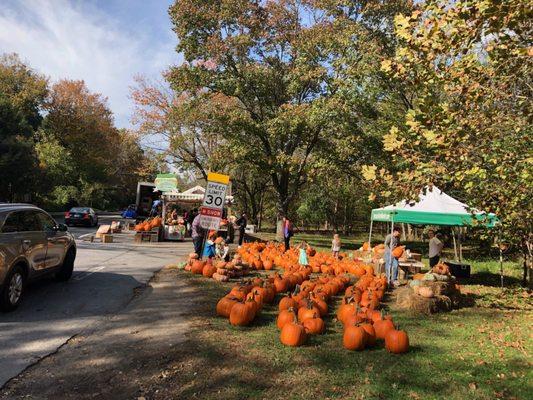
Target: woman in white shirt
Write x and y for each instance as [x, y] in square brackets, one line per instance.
[435, 247]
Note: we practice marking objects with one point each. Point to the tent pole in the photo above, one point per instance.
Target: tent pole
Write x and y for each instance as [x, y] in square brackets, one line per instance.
[460, 245]
[389, 278]
[370, 234]
[454, 244]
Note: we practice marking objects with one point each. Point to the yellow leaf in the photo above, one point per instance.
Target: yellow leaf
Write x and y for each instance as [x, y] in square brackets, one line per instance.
[369, 172]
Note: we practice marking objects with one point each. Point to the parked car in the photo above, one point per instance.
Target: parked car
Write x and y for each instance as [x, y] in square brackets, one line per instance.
[32, 245]
[130, 212]
[81, 216]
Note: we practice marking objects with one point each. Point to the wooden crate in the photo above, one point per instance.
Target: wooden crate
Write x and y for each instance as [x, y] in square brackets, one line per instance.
[107, 238]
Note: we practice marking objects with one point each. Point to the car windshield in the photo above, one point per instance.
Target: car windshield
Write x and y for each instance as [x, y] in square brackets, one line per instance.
[79, 210]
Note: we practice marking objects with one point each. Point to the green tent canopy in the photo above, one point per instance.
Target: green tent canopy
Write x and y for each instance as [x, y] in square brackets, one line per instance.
[433, 208]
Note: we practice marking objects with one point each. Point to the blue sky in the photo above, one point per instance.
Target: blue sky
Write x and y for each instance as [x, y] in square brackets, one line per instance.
[104, 42]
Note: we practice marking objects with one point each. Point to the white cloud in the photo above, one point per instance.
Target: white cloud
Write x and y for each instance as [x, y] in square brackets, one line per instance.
[63, 39]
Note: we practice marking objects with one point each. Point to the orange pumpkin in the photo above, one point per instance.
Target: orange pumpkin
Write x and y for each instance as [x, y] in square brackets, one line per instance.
[397, 341]
[354, 338]
[292, 334]
[314, 326]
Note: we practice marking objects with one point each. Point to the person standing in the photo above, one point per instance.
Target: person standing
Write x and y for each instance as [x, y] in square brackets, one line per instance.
[241, 223]
[197, 234]
[288, 232]
[435, 248]
[190, 219]
[391, 262]
[336, 246]
[231, 229]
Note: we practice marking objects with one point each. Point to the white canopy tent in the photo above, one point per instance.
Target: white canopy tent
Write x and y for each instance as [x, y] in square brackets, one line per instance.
[434, 207]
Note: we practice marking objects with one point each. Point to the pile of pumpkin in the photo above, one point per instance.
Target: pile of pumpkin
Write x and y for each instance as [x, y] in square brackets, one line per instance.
[301, 312]
[148, 224]
[363, 324]
[220, 271]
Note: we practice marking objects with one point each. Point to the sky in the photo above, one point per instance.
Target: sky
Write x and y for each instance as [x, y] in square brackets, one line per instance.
[104, 42]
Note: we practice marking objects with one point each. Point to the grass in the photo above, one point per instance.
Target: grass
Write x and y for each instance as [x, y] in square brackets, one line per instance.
[483, 352]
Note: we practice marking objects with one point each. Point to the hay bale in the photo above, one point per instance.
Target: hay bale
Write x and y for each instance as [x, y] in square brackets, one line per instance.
[440, 288]
[407, 299]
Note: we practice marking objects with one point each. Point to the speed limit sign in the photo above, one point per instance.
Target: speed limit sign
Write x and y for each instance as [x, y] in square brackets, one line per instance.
[213, 204]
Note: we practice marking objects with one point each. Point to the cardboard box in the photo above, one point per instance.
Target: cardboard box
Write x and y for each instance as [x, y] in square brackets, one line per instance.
[107, 238]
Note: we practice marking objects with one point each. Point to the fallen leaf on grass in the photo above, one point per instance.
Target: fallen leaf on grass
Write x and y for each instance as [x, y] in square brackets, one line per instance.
[472, 386]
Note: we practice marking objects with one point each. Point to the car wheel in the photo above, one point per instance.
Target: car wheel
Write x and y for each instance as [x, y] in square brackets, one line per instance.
[11, 295]
[65, 272]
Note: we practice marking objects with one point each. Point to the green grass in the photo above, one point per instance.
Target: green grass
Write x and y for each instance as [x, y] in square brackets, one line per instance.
[483, 352]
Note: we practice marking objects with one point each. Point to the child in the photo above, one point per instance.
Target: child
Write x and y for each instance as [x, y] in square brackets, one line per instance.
[209, 247]
[222, 249]
[302, 259]
[336, 245]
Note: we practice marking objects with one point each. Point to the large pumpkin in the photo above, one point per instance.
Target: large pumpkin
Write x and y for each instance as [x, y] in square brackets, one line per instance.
[242, 314]
[292, 334]
[225, 305]
[354, 338]
[397, 341]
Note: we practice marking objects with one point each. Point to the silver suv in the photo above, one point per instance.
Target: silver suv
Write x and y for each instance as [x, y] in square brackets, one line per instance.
[32, 245]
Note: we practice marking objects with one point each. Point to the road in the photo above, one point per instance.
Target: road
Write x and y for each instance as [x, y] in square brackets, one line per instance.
[104, 282]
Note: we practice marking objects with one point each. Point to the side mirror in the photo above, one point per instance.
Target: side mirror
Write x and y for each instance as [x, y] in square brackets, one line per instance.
[62, 228]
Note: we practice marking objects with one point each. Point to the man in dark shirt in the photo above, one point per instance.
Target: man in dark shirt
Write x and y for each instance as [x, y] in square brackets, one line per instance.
[241, 223]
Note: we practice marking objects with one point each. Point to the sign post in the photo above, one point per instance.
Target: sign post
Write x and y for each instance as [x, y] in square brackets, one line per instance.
[214, 198]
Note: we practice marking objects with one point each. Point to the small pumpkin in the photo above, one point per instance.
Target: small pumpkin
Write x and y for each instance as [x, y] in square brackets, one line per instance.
[383, 327]
[370, 334]
[425, 291]
[285, 316]
[314, 326]
[287, 302]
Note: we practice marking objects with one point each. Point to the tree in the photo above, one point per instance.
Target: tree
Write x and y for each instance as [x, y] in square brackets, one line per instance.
[259, 62]
[469, 127]
[99, 164]
[22, 92]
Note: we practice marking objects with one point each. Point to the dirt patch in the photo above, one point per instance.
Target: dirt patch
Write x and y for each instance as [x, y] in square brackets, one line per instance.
[124, 356]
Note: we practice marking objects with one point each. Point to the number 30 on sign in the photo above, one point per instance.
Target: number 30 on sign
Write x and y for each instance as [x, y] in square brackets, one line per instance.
[215, 194]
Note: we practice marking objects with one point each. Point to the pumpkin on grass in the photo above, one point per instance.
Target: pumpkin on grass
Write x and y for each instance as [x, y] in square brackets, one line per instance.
[242, 314]
[354, 338]
[397, 341]
[225, 305]
[382, 327]
[314, 326]
[309, 311]
[370, 334]
[287, 302]
[285, 316]
[293, 334]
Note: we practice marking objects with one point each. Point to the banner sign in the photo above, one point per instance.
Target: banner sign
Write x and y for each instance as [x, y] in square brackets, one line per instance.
[213, 204]
[166, 182]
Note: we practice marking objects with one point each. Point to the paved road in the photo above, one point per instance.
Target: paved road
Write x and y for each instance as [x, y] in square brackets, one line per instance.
[103, 283]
